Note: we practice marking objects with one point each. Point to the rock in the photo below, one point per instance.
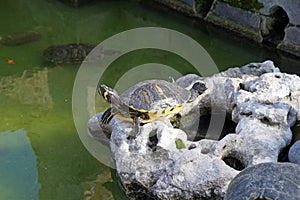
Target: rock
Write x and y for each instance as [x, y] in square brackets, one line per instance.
[189, 178]
[292, 35]
[192, 8]
[277, 113]
[187, 7]
[241, 21]
[98, 131]
[163, 162]
[275, 22]
[188, 80]
[291, 42]
[272, 88]
[76, 3]
[291, 7]
[190, 3]
[254, 142]
[161, 171]
[294, 153]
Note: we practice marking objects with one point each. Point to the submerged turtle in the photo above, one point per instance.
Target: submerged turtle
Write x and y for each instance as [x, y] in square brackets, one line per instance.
[146, 101]
[69, 53]
[266, 181]
[73, 53]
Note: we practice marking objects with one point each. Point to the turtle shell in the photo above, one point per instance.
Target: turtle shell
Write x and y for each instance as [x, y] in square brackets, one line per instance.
[151, 95]
[266, 181]
[69, 53]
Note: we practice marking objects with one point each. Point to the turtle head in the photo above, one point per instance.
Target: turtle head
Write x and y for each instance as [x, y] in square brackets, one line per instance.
[108, 93]
[112, 97]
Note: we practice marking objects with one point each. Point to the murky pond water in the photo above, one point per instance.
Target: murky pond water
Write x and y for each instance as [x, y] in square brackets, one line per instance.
[41, 155]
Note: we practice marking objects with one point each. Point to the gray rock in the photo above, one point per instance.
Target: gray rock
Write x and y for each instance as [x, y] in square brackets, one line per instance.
[277, 22]
[245, 18]
[254, 142]
[291, 7]
[166, 163]
[193, 176]
[292, 35]
[244, 22]
[188, 80]
[291, 41]
[187, 7]
[266, 24]
[255, 69]
[190, 3]
[99, 131]
[76, 3]
[294, 153]
[271, 114]
[272, 88]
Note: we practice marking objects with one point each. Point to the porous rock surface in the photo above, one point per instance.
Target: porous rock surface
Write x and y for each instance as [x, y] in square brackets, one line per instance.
[163, 162]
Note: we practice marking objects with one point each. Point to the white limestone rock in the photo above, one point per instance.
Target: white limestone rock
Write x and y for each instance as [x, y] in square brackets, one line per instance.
[193, 176]
[163, 162]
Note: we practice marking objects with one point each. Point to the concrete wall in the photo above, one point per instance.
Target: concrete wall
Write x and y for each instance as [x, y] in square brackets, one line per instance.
[274, 22]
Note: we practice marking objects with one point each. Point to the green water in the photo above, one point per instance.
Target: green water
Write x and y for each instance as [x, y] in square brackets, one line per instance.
[41, 155]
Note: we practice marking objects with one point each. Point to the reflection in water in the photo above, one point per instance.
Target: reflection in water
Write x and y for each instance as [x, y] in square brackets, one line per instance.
[30, 88]
[18, 167]
[96, 190]
[105, 186]
[91, 100]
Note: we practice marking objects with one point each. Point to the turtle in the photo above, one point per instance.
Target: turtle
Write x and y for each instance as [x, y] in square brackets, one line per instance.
[266, 181]
[69, 53]
[146, 101]
[74, 52]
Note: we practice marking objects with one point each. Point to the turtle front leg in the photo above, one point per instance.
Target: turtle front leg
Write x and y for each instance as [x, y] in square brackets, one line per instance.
[136, 124]
[135, 127]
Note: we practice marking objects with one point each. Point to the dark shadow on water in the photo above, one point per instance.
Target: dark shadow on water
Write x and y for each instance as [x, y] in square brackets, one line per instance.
[115, 187]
